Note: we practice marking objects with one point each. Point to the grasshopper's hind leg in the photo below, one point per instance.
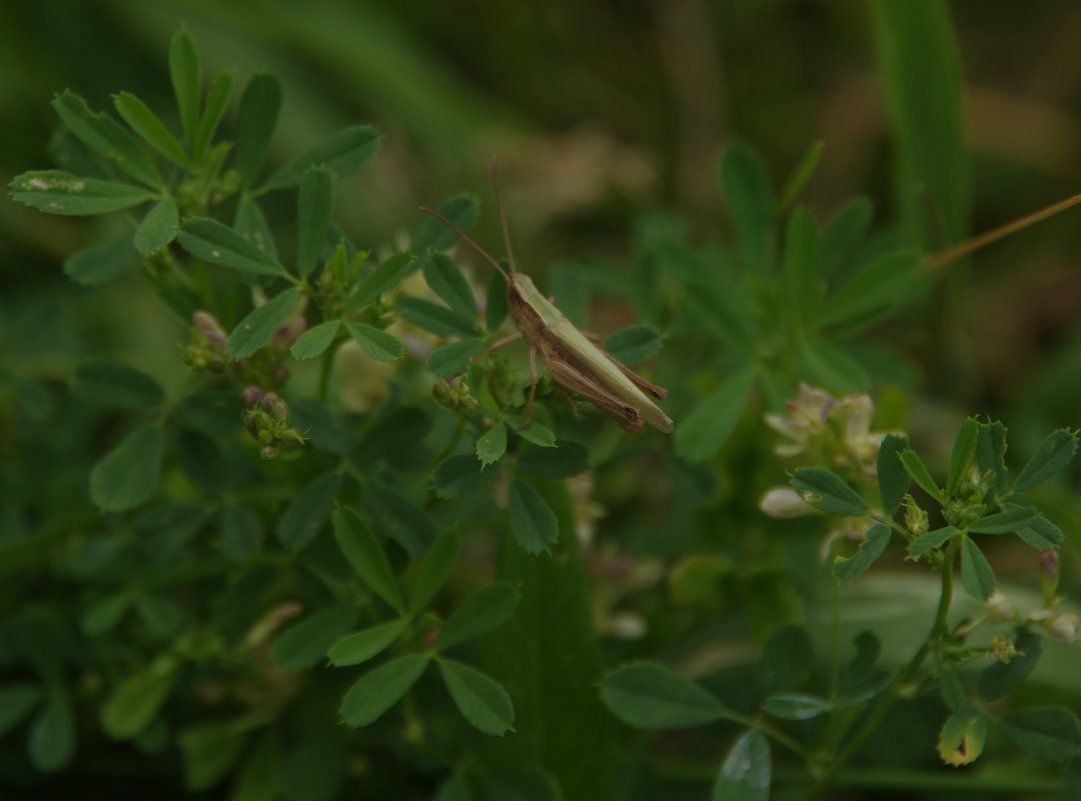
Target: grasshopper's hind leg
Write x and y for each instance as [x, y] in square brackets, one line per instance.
[660, 393]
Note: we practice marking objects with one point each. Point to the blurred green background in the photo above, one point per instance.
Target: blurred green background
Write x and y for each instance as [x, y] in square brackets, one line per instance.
[599, 111]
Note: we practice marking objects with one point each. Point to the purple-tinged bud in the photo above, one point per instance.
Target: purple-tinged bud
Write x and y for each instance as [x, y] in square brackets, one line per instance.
[288, 331]
[251, 396]
[251, 423]
[275, 406]
[1049, 563]
[207, 325]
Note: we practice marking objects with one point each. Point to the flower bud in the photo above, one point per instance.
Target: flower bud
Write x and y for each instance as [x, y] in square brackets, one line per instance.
[251, 396]
[269, 452]
[1049, 564]
[275, 406]
[999, 607]
[1064, 628]
[783, 503]
[251, 423]
[207, 325]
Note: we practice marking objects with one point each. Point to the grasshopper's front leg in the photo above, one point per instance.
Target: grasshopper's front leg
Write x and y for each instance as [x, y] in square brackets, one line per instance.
[534, 379]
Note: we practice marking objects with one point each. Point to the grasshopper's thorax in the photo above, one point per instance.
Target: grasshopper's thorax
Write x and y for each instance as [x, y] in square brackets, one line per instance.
[529, 308]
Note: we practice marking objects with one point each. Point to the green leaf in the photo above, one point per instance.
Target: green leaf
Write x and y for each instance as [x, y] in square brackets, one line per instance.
[343, 153]
[1007, 522]
[257, 329]
[385, 277]
[800, 271]
[453, 358]
[315, 769]
[217, 101]
[437, 319]
[255, 124]
[100, 262]
[566, 460]
[648, 695]
[964, 446]
[435, 568]
[1053, 455]
[461, 475]
[634, 344]
[482, 610]
[844, 232]
[496, 309]
[398, 518]
[999, 679]
[977, 577]
[924, 85]
[377, 343]
[252, 225]
[306, 515]
[129, 474]
[1052, 734]
[787, 660]
[962, 737]
[991, 454]
[879, 286]
[480, 699]
[537, 433]
[953, 691]
[433, 235]
[16, 701]
[59, 192]
[210, 751]
[378, 690]
[893, 480]
[455, 788]
[304, 644]
[724, 314]
[750, 206]
[795, 706]
[103, 615]
[104, 136]
[831, 366]
[746, 771]
[241, 534]
[314, 341]
[51, 741]
[186, 75]
[160, 615]
[932, 539]
[492, 444]
[137, 700]
[870, 549]
[259, 775]
[531, 521]
[801, 174]
[824, 490]
[704, 431]
[915, 467]
[210, 240]
[105, 382]
[861, 680]
[1041, 534]
[150, 129]
[447, 281]
[362, 646]
[159, 226]
[314, 206]
[365, 555]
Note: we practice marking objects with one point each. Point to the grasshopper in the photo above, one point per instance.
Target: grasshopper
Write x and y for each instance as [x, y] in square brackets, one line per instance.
[577, 361]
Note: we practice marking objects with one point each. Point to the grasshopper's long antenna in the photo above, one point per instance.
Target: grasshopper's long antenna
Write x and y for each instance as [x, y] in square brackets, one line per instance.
[461, 234]
[502, 214]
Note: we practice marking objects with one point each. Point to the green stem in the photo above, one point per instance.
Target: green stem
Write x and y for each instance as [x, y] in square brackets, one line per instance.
[769, 730]
[894, 692]
[324, 370]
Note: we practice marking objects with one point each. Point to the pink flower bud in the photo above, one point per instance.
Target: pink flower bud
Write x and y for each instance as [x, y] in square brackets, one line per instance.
[207, 325]
[275, 406]
[251, 396]
[1049, 564]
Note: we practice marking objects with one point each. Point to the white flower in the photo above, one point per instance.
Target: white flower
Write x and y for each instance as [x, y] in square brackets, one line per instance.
[783, 503]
